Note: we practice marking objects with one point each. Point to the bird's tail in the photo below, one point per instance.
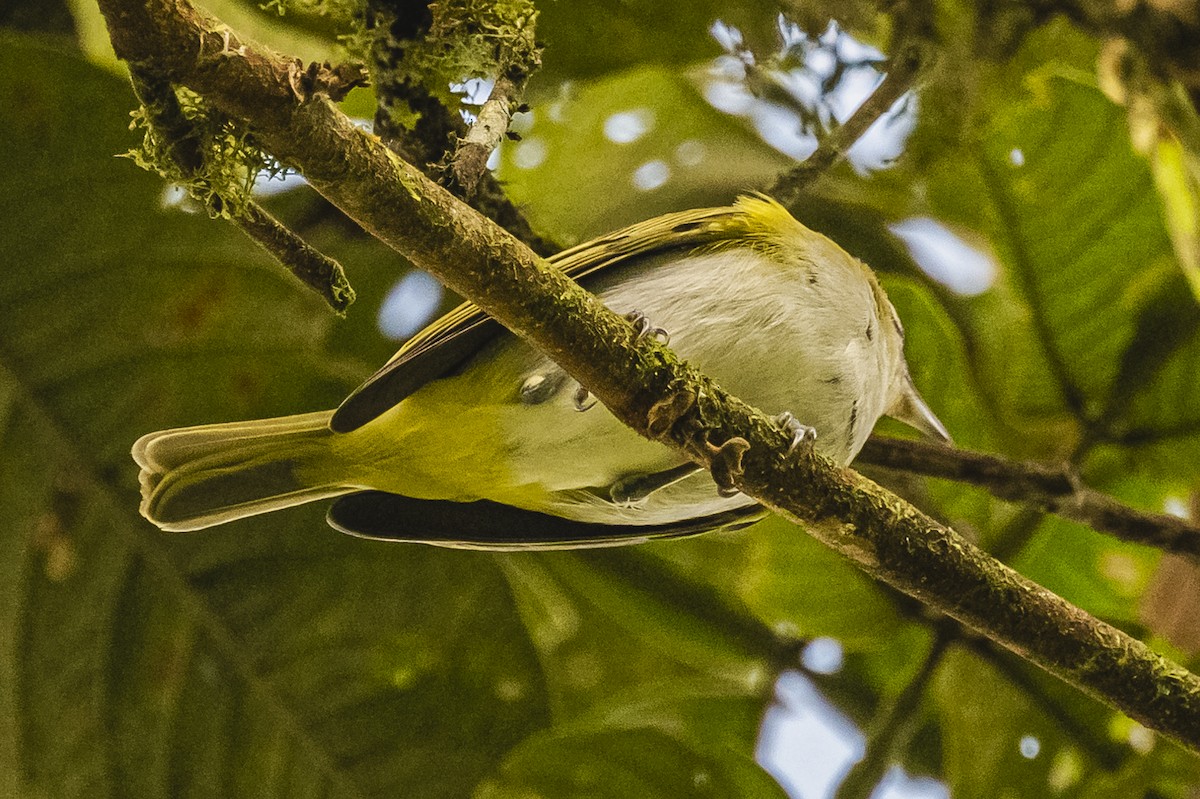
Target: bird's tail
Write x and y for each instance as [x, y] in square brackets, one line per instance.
[195, 477]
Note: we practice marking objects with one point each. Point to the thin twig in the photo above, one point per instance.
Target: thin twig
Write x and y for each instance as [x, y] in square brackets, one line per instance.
[1055, 489]
[316, 270]
[516, 55]
[485, 134]
[902, 71]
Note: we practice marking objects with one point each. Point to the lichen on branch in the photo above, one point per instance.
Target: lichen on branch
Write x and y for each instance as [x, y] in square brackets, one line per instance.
[433, 52]
[475, 39]
[423, 63]
[215, 160]
[198, 148]
[418, 115]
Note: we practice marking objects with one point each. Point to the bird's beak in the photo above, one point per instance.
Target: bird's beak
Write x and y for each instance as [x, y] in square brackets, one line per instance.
[912, 410]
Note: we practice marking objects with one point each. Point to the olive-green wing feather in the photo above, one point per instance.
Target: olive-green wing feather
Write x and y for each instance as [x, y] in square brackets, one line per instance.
[450, 341]
[490, 525]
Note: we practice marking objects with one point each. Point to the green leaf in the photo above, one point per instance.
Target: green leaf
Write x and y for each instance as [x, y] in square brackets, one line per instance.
[577, 182]
[1083, 282]
[1077, 229]
[984, 720]
[1159, 428]
[588, 38]
[676, 744]
[697, 713]
[607, 623]
[1048, 179]
[799, 586]
[1170, 770]
[1090, 569]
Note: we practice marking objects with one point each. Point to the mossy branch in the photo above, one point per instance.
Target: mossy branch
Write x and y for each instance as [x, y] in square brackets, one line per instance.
[405, 41]
[182, 145]
[509, 55]
[643, 383]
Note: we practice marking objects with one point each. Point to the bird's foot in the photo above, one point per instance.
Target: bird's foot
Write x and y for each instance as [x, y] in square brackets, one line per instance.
[583, 399]
[642, 327]
[803, 436]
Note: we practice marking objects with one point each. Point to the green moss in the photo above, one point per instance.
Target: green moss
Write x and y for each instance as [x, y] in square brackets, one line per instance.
[471, 39]
[474, 38]
[226, 158]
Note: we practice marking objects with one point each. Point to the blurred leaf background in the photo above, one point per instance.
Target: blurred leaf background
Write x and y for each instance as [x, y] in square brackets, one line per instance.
[273, 657]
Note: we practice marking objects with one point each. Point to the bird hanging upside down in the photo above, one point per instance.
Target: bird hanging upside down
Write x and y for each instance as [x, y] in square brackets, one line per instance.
[470, 437]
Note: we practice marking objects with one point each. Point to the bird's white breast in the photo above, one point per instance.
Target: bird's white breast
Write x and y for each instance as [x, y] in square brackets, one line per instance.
[780, 336]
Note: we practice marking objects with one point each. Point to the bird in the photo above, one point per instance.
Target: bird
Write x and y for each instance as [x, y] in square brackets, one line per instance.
[469, 437]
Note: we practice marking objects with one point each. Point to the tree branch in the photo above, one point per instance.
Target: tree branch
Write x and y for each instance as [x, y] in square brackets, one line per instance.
[487, 131]
[1053, 489]
[514, 55]
[396, 26]
[645, 385]
[181, 143]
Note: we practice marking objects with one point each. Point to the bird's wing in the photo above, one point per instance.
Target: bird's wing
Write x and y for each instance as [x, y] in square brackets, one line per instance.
[450, 341]
[490, 525]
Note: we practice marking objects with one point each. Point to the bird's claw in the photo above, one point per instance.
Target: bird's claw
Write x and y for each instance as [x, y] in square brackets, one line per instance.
[802, 434]
[642, 327]
[226, 50]
[583, 399]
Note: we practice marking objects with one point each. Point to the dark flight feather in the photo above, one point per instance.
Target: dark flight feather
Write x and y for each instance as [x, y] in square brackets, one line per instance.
[490, 525]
